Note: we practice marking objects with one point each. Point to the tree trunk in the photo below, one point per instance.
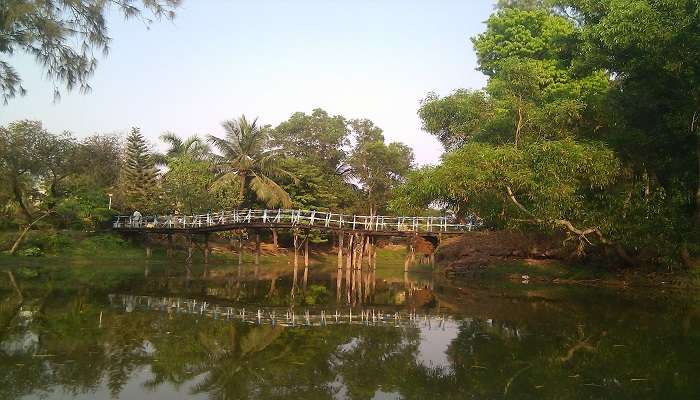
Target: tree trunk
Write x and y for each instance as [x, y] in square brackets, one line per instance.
[15, 246]
[20, 200]
[274, 238]
[257, 247]
[13, 282]
[340, 250]
[697, 188]
[519, 123]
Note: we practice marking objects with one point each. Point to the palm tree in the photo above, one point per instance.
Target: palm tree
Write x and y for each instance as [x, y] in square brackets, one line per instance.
[247, 159]
[193, 147]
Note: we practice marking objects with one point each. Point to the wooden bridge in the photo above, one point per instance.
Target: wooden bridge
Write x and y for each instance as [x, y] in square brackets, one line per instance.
[306, 219]
[357, 231]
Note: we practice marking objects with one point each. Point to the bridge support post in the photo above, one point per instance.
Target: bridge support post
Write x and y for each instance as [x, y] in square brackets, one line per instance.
[374, 255]
[169, 251]
[306, 250]
[296, 258]
[190, 247]
[147, 242]
[340, 250]
[257, 247]
[206, 248]
[240, 247]
[414, 241]
[350, 251]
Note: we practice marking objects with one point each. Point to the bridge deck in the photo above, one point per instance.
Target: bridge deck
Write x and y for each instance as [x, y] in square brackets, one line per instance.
[305, 219]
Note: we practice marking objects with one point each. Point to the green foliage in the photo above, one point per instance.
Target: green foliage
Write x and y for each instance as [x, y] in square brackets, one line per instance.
[378, 167]
[320, 138]
[64, 36]
[99, 244]
[552, 179]
[316, 294]
[30, 252]
[588, 123]
[138, 180]
[186, 185]
[247, 158]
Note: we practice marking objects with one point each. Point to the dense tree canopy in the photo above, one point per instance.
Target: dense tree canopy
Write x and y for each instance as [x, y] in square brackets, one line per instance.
[588, 123]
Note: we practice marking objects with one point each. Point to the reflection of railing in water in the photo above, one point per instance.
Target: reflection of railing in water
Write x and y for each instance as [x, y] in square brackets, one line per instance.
[286, 317]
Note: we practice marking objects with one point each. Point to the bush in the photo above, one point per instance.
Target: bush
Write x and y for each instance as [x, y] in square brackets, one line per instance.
[101, 244]
[31, 252]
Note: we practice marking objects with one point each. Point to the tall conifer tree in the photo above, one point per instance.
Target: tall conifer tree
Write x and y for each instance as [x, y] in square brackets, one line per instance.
[139, 176]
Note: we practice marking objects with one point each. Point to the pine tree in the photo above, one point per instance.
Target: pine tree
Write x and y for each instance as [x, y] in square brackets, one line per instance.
[139, 176]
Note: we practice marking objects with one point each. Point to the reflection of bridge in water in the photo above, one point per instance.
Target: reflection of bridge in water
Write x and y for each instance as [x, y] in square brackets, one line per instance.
[279, 316]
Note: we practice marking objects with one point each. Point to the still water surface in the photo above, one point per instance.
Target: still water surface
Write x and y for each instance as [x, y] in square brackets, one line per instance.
[161, 331]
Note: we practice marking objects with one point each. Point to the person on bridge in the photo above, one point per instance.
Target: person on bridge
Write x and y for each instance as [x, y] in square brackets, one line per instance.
[136, 217]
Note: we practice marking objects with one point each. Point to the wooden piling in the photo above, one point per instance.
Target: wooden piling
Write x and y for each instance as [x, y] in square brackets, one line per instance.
[170, 246]
[340, 250]
[206, 248]
[306, 250]
[147, 243]
[257, 247]
[296, 258]
[240, 248]
[190, 247]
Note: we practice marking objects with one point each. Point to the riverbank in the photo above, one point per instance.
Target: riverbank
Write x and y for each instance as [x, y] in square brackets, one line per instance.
[530, 258]
[479, 256]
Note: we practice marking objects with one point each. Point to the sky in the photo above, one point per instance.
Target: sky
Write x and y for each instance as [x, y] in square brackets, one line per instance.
[270, 58]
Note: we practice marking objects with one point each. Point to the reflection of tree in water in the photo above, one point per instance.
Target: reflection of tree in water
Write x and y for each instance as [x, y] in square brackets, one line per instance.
[568, 351]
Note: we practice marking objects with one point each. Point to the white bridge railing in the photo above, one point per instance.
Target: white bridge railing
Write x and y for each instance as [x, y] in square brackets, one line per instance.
[300, 218]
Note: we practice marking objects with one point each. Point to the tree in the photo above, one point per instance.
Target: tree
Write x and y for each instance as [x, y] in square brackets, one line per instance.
[550, 184]
[63, 37]
[98, 160]
[187, 184]
[457, 118]
[193, 147]
[318, 137]
[377, 167]
[525, 146]
[24, 149]
[139, 177]
[247, 160]
[653, 50]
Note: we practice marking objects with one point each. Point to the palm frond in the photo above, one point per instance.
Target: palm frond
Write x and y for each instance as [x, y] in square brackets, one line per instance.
[270, 192]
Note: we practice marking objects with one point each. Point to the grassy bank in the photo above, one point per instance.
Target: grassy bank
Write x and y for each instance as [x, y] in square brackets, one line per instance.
[87, 247]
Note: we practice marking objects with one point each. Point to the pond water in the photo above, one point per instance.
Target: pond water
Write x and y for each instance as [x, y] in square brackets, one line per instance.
[168, 331]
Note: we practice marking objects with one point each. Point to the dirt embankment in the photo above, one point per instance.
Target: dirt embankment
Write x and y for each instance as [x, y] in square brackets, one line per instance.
[475, 250]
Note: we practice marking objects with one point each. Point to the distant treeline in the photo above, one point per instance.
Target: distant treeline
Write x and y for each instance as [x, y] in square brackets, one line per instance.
[315, 161]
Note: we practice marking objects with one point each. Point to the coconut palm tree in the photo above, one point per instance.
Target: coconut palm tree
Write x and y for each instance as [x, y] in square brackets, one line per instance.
[193, 146]
[246, 158]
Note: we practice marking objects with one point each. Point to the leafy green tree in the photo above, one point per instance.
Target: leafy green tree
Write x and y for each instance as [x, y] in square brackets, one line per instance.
[316, 188]
[247, 160]
[187, 185]
[319, 137]
[98, 161]
[24, 149]
[376, 166]
[511, 186]
[652, 48]
[63, 36]
[530, 148]
[139, 178]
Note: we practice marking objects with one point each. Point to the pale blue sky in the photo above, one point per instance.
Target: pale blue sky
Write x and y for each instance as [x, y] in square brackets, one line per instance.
[220, 59]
